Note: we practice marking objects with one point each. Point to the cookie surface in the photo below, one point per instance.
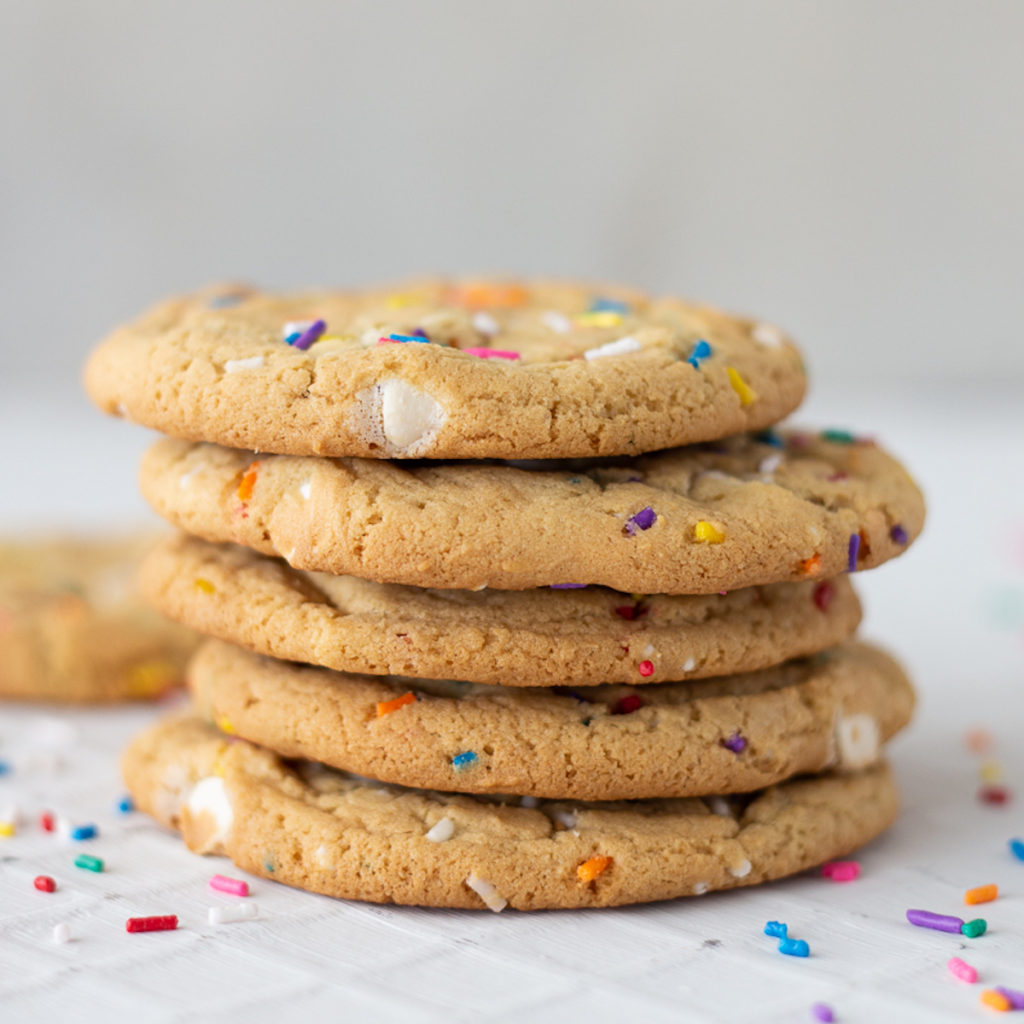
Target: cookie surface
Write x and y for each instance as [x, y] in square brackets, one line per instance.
[688, 521]
[501, 370]
[732, 734]
[317, 829]
[539, 637]
[73, 627]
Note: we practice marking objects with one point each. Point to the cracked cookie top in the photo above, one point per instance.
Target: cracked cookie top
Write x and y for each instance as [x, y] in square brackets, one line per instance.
[446, 369]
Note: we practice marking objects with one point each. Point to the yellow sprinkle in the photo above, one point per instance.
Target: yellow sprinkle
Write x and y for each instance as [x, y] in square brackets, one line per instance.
[991, 771]
[707, 533]
[224, 724]
[401, 299]
[204, 585]
[7, 829]
[150, 677]
[599, 319]
[741, 387]
[990, 997]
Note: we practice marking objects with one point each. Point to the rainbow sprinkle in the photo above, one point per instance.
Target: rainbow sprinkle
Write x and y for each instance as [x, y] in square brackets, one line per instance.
[794, 947]
[627, 705]
[642, 520]
[853, 552]
[701, 351]
[386, 707]
[303, 339]
[746, 393]
[938, 922]
[964, 971]
[592, 868]
[823, 1012]
[1017, 848]
[708, 533]
[736, 743]
[898, 534]
[838, 436]
[89, 863]
[609, 306]
[981, 894]
[492, 353]
[162, 923]
[84, 832]
[464, 761]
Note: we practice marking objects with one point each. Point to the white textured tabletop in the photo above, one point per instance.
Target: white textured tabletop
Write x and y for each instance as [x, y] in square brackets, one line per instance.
[953, 608]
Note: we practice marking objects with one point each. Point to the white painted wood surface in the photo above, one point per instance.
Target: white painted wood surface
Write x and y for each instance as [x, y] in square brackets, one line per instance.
[953, 607]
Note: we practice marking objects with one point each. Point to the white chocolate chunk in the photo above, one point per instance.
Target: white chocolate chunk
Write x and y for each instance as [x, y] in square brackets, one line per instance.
[742, 869]
[235, 365]
[486, 324]
[442, 831]
[857, 741]
[768, 335]
[209, 799]
[487, 893]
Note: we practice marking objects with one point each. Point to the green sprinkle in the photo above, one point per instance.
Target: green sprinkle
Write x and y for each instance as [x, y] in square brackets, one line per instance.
[89, 862]
[972, 929]
[838, 436]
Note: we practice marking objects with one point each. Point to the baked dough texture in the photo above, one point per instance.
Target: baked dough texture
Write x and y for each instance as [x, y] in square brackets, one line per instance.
[732, 734]
[485, 370]
[74, 628]
[539, 637]
[323, 831]
[742, 512]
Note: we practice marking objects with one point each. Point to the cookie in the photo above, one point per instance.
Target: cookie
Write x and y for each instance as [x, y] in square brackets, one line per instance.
[321, 830]
[539, 637]
[743, 512]
[73, 628]
[447, 369]
[727, 735]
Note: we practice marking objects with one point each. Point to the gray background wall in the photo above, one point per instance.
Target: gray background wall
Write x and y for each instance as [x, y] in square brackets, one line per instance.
[852, 170]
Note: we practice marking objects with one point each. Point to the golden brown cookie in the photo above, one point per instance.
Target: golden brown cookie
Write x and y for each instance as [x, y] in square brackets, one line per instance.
[320, 830]
[446, 369]
[539, 637]
[727, 735]
[73, 628]
[742, 512]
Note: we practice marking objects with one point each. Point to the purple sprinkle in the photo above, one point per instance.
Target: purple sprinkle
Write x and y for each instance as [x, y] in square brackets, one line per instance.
[851, 565]
[736, 743]
[643, 520]
[418, 332]
[823, 1012]
[567, 586]
[1013, 997]
[898, 534]
[309, 335]
[940, 922]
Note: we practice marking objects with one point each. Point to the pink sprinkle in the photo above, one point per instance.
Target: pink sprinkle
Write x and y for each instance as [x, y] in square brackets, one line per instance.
[234, 886]
[965, 972]
[841, 870]
[491, 353]
[388, 341]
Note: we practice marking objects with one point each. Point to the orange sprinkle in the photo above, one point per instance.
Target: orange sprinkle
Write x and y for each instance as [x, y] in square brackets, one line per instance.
[990, 997]
[204, 585]
[248, 482]
[385, 707]
[811, 566]
[982, 894]
[590, 869]
[487, 294]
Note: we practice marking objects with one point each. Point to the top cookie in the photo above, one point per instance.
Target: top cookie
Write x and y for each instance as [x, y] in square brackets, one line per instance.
[445, 369]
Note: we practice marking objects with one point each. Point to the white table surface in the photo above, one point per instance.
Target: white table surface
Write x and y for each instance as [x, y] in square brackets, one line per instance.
[953, 607]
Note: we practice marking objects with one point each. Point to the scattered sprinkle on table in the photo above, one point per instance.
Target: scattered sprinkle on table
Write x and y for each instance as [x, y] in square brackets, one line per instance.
[84, 832]
[228, 915]
[938, 922]
[234, 886]
[973, 929]
[794, 947]
[776, 929]
[981, 894]
[44, 883]
[1017, 848]
[125, 805]
[841, 870]
[160, 923]
[88, 862]
[822, 1012]
[964, 971]
[995, 999]
[61, 933]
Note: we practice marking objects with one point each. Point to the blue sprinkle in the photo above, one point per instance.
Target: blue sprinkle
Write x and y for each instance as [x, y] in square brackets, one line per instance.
[5, 768]
[464, 760]
[293, 337]
[769, 437]
[700, 351]
[1017, 848]
[84, 832]
[125, 805]
[794, 947]
[421, 338]
[776, 929]
[608, 306]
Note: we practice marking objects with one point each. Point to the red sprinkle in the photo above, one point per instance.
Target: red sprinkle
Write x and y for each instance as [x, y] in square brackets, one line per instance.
[44, 883]
[631, 611]
[627, 705]
[166, 923]
[997, 795]
[646, 668]
[46, 822]
[823, 595]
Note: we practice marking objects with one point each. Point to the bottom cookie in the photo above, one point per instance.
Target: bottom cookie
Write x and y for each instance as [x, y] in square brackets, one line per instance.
[328, 832]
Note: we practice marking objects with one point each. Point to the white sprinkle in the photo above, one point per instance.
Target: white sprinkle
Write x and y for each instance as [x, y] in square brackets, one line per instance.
[323, 856]
[442, 831]
[528, 801]
[372, 336]
[720, 806]
[700, 888]
[613, 348]
[690, 664]
[61, 933]
[296, 327]
[486, 324]
[558, 322]
[252, 363]
[767, 334]
[185, 480]
[567, 819]
[648, 650]
[770, 464]
[244, 911]
[742, 869]
[121, 410]
[306, 489]
[487, 893]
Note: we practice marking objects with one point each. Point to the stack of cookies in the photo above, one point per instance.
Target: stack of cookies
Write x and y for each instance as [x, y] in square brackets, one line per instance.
[515, 596]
